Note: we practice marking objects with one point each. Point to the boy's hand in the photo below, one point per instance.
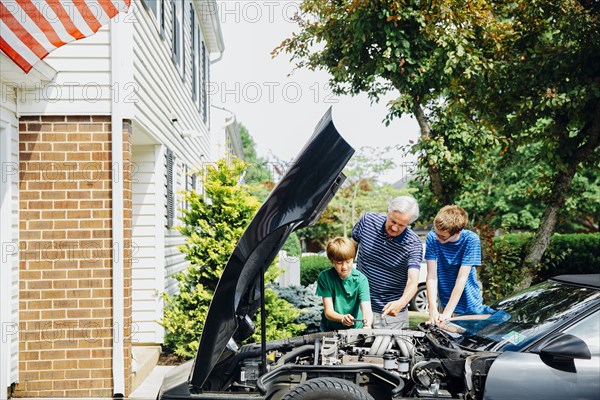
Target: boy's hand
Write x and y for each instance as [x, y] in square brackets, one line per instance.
[433, 316]
[442, 318]
[347, 320]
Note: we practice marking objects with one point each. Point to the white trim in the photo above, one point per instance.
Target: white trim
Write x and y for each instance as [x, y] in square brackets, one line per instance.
[6, 268]
[118, 281]
[215, 42]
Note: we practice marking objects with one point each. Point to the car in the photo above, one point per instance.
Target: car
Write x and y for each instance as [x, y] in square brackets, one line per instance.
[541, 343]
[419, 302]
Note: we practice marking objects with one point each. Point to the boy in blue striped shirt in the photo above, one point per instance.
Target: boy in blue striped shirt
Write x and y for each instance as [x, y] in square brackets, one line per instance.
[452, 253]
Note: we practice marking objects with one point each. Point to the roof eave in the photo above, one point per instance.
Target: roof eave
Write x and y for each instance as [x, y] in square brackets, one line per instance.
[15, 76]
[209, 11]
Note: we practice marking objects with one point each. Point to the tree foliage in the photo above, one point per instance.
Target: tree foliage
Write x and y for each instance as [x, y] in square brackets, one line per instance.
[257, 168]
[361, 192]
[486, 81]
[212, 226]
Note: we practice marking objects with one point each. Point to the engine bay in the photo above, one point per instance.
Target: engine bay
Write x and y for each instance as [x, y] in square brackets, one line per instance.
[423, 363]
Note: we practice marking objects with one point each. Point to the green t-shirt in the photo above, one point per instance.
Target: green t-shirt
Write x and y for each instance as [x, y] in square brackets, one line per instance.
[346, 296]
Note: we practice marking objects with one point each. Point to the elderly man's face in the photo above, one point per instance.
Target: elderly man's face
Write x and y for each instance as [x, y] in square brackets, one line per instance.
[396, 223]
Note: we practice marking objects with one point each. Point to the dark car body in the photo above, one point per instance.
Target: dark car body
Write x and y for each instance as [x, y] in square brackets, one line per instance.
[503, 356]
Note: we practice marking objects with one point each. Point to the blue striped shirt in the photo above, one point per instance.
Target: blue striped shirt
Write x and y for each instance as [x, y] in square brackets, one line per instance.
[385, 262]
[450, 257]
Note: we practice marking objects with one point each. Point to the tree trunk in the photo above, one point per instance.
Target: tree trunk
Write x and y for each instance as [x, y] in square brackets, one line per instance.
[589, 139]
[435, 176]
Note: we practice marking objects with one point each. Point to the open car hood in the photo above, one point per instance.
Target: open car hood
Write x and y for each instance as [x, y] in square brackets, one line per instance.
[297, 201]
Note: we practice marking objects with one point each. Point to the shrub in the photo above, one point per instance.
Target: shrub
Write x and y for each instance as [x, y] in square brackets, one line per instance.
[502, 271]
[282, 318]
[212, 229]
[292, 246]
[309, 304]
[571, 254]
[311, 267]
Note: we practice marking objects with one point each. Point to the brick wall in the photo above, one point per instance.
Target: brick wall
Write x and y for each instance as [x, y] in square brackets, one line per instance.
[65, 307]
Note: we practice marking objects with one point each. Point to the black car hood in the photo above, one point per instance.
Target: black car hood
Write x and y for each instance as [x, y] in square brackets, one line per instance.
[298, 199]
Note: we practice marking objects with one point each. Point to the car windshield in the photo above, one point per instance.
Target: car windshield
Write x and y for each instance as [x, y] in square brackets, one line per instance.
[526, 316]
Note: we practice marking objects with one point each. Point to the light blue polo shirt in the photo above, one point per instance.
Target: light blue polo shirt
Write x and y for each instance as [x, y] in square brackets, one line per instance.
[450, 257]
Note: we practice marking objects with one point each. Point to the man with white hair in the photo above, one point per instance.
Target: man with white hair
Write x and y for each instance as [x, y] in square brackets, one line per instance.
[390, 255]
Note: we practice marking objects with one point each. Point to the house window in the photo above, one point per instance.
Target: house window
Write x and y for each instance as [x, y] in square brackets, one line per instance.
[151, 5]
[194, 51]
[157, 9]
[176, 37]
[170, 163]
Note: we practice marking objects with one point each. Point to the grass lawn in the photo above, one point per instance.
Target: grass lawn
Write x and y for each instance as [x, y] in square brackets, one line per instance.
[415, 318]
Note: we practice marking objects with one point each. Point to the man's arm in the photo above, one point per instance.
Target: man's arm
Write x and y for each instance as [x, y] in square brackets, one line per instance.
[459, 287]
[394, 307]
[432, 290]
[332, 315]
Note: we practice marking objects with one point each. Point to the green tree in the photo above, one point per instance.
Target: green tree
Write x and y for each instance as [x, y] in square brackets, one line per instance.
[515, 73]
[257, 168]
[361, 192]
[212, 225]
[542, 88]
[380, 46]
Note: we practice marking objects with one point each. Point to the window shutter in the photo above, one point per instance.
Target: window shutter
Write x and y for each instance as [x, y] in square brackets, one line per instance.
[188, 180]
[170, 194]
[193, 51]
[175, 38]
[162, 17]
[204, 83]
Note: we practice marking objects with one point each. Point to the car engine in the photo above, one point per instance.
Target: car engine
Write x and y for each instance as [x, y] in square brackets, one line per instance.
[388, 364]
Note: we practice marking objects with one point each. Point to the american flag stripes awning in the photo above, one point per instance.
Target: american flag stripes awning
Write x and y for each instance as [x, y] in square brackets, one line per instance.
[30, 29]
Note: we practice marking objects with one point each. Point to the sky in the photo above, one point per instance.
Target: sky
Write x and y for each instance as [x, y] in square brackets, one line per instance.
[281, 110]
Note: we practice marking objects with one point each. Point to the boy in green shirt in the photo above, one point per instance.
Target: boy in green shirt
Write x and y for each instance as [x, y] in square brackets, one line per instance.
[345, 290]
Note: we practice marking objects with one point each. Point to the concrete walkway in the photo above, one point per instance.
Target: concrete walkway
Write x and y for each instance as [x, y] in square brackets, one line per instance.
[149, 387]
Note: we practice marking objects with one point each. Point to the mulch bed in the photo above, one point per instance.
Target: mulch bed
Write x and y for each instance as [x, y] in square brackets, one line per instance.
[170, 359]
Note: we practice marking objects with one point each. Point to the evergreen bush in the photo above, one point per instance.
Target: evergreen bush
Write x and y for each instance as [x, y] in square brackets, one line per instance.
[304, 298]
[212, 225]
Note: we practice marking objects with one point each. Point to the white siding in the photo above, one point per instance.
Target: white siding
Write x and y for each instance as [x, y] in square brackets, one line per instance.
[165, 90]
[148, 257]
[82, 85]
[9, 239]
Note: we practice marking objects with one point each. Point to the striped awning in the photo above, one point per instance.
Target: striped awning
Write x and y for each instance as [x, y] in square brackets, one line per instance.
[30, 29]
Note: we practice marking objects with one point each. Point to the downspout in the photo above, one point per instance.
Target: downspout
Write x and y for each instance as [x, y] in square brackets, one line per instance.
[118, 253]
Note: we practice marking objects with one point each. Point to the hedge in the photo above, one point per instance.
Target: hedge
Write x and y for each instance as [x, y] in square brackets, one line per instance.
[311, 267]
[503, 272]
